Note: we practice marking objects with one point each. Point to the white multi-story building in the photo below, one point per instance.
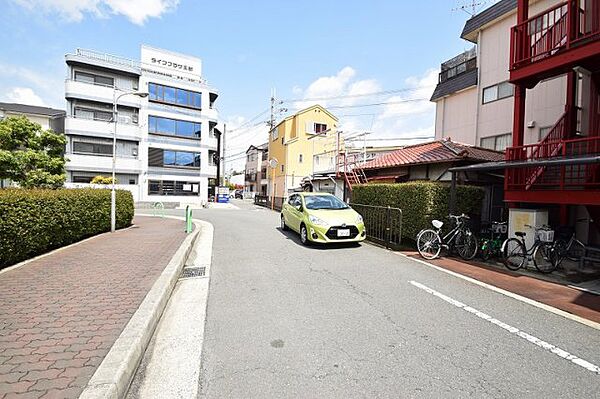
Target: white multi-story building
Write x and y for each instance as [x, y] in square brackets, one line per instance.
[166, 141]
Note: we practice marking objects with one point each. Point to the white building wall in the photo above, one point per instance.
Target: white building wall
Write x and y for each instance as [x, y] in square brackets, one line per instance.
[455, 116]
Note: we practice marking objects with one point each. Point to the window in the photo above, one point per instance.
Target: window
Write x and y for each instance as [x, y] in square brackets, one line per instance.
[292, 199]
[212, 158]
[94, 79]
[97, 115]
[174, 127]
[320, 127]
[81, 147]
[543, 132]
[171, 187]
[300, 158]
[173, 95]
[497, 92]
[497, 143]
[281, 168]
[178, 159]
[274, 134]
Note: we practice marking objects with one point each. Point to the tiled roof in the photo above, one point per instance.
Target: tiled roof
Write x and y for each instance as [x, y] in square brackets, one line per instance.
[31, 109]
[486, 16]
[433, 152]
[455, 84]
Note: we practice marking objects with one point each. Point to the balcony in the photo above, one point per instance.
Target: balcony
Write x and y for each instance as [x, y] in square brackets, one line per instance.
[102, 128]
[571, 183]
[98, 163]
[555, 40]
[99, 93]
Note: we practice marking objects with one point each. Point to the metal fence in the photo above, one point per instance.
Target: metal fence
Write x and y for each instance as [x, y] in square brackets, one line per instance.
[265, 200]
[383, 224]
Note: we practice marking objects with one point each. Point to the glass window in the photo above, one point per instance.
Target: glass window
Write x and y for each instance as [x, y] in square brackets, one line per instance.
[185, 159]
[197, 160]
[182, 97]
[169, 157]
[197, 129]
[164, 125]
[84, 77]
[152, 91]
[169, 94]
[324, 202]
[505, 89]
[185, 128]
[196, 100]
[490, 94]
[105, 81]
[151, 124]
[320, 127]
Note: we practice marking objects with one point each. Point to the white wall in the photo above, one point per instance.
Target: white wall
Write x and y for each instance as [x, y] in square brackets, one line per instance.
[455, 116]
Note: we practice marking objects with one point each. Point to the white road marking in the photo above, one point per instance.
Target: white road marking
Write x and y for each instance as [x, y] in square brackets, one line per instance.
[513, 330]
[518, 297]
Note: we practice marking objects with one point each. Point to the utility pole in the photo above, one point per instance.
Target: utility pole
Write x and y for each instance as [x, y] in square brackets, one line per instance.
[224, 161]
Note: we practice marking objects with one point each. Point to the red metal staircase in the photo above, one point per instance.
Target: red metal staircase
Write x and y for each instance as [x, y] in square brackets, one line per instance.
[352, 173]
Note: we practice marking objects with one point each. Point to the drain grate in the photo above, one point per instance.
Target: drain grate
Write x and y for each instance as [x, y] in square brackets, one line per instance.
[193, 272]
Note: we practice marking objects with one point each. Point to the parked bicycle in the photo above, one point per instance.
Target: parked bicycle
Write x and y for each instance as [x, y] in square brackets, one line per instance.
[516, 255]
[492, 246]
[568, 246]
[430, 241]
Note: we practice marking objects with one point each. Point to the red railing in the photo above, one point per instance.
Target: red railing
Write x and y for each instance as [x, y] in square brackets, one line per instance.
[575, 176]
[565, 25]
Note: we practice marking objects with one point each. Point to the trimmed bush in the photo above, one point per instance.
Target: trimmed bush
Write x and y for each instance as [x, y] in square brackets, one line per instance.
[104, 180]
[420, 201]
[35, 221]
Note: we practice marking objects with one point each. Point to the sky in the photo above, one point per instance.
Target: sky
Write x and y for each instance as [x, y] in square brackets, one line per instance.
[307, 51]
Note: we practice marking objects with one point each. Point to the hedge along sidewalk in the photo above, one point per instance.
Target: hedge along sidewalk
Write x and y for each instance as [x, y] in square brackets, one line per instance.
[61, 314]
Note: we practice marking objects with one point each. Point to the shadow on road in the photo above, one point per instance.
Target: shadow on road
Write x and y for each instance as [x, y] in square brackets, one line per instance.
[295, 237]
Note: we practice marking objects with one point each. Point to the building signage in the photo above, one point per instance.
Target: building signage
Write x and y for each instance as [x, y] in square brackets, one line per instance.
[171, 64]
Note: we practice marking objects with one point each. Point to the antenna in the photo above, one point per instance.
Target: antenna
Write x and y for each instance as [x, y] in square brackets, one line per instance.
[471, 7]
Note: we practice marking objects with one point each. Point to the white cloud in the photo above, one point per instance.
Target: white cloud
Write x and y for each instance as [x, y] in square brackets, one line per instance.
[47, 85]
[137, 11]
[23, 95]
[409, 112]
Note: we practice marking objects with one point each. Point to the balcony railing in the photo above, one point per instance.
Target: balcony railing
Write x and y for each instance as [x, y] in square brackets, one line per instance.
[563, 26]
[457, 70]
[109, 58]
[576, 176]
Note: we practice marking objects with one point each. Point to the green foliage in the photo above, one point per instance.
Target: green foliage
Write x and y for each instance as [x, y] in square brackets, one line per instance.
[30, 156]
[420, 201]
[35, 221]
[104, 180]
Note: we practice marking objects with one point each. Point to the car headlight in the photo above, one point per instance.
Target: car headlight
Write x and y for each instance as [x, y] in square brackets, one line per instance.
[359, 219]
[316, 220]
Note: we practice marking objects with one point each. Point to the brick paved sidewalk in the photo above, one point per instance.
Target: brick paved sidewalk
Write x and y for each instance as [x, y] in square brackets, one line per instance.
[559, 296]
[60, 315]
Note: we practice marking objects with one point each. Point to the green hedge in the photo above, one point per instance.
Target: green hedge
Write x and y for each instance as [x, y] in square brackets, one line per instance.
[35, 221]
[420, 201]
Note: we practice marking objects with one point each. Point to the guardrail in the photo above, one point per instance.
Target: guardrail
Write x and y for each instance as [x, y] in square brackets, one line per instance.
[265, 200]
[383, 224]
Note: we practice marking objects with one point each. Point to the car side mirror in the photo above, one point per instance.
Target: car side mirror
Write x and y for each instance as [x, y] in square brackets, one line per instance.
[299, 208]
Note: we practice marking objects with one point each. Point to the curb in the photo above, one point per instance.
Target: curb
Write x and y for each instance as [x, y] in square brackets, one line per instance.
[113, 376]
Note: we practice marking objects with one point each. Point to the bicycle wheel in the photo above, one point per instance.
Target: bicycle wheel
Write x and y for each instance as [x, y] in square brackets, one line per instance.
[514, 254]
[429, 244]
[466, 245]
[576, 251]
[544, 258]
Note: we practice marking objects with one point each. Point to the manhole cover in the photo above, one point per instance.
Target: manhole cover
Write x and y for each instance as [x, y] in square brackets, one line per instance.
[193, 272]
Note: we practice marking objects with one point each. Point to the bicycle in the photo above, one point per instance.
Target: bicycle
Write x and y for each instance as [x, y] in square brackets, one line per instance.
[571, 249]
[515, 253]
[430, 242]
[492, 246]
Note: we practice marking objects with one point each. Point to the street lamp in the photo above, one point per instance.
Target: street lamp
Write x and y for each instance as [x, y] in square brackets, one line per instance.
[113, 200]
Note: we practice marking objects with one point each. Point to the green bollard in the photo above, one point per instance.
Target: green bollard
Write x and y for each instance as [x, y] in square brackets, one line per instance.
[188, 219]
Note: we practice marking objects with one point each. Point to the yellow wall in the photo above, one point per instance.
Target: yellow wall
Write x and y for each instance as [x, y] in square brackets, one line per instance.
[296, 141]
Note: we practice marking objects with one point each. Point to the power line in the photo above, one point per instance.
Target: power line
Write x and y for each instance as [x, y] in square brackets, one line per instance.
[249, 121]
[375, 93]
[410, 100]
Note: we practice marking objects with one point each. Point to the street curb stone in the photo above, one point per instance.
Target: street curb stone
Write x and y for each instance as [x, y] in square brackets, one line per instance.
[112, 378]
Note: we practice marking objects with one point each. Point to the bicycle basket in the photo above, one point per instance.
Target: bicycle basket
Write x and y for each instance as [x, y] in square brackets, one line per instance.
[546, 235]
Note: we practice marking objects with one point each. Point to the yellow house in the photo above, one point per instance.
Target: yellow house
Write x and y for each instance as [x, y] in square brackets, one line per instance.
[295, 141]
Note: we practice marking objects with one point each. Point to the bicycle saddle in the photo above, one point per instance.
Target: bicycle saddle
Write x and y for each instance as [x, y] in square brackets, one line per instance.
[520, 234]
[437, 224]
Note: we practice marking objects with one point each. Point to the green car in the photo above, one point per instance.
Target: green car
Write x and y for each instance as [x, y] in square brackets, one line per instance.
[323, 218]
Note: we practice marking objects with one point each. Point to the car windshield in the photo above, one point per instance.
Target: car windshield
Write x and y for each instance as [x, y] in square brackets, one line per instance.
[323, 202]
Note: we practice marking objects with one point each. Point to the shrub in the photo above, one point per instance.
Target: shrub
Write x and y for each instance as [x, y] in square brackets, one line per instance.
[420, 201]
[36, 221]
[104, 180]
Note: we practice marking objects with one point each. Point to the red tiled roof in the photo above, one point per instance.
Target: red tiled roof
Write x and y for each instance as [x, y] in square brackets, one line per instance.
[433, 152]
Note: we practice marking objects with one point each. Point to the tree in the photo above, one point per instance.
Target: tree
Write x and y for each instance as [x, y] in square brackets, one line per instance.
[104, 180]
[30, 156]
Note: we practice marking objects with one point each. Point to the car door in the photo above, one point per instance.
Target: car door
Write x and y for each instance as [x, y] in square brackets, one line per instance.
[287, 211]
[295, 214]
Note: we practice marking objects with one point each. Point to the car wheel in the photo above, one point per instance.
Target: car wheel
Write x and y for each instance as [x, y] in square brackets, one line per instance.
[304, 235]
[283, 225]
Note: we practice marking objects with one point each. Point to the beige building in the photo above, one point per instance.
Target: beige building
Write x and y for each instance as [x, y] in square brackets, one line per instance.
[255, 180]
[474, 100]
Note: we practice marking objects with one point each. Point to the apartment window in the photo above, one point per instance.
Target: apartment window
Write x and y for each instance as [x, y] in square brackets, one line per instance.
[320, 127]
[94, 114]
[497, 143]
[497, 92]
[274, 134]
[173, 95]
[300, 158]
[177, 159]
[172, 187]
[94, 79]
[81, 147]
[282, 168]
[173, 127]
[212, 158]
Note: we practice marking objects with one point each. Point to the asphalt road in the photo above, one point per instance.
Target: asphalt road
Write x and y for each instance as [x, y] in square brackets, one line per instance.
[286, 320]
